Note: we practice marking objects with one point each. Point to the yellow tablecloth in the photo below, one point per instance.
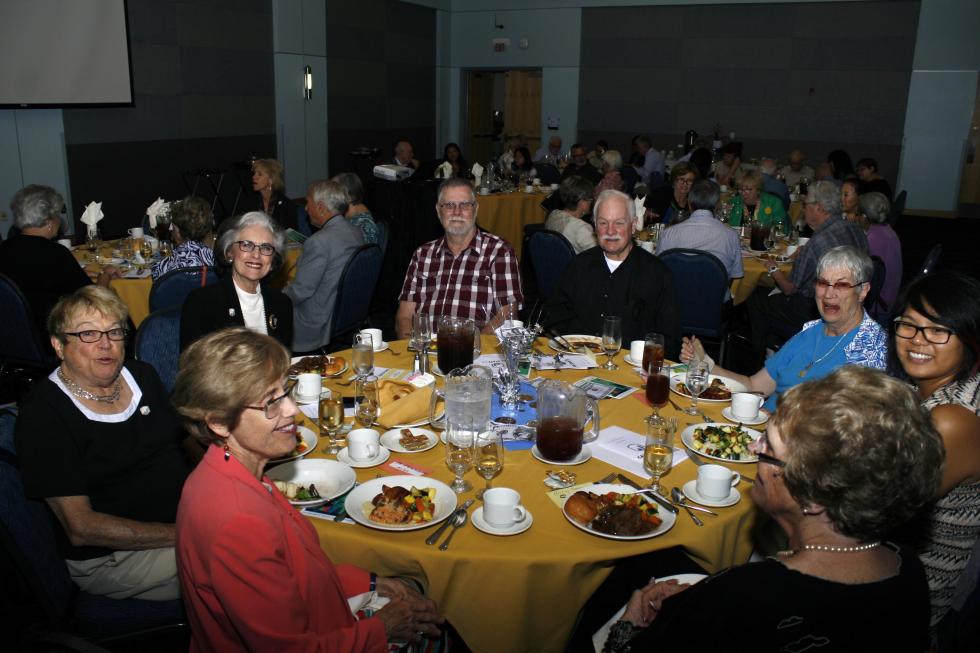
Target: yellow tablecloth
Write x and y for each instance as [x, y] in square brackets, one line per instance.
[505, 214]
[523, 593]
[756, 273]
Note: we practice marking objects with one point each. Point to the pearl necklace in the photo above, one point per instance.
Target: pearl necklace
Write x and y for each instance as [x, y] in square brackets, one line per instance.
[82, 393]
[832, 548]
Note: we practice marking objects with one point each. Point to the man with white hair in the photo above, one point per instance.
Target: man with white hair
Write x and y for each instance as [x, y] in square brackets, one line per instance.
[405, 155]
[770, 183]
[616, 278]
[796, 170]
[553, 150]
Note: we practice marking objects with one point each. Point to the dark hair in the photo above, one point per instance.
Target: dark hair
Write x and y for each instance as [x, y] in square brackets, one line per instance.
[528, 164]
[573, 190]
[732, 147]
[461, 160]
[840, 161]
[603, 144]
[701, 159]
[680, 169]
[193, 217]
[704, 195]
[951, 299]
[867, 162]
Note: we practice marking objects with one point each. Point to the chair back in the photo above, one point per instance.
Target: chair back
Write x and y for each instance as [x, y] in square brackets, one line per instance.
[548, 174]
[700, 280]
[897, 209]
[158, 343]
[355, 290]
[303, 221]
[21, 344]
[383, 237]
[872, 302]
[932, 259]
[550, 255]
[172, 288]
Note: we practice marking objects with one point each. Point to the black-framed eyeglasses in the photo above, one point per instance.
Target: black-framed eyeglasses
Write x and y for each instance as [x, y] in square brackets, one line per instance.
[462, 207]
[247, 246]
[772, 460]
[937, 335]
[839, 286]
[94, 335]
[273, 407]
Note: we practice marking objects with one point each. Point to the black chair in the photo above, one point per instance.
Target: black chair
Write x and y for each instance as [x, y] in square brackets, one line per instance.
[897, 209]
[872, 301]
[303, 221]
[172, 288]
[700, 280]
[158, 343]
[21, 345]
[548, 173]
[550, 255]
[354, 292]
[383, 237]
[932, 259]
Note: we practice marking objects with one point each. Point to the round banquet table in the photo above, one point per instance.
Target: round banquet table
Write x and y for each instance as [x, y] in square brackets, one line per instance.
[523, 592]
[505, 214]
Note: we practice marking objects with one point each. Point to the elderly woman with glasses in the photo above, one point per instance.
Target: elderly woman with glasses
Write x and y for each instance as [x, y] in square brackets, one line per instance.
[98, 441]
[668, 204]
[752, 204]
[248, 248]
[253, 575]
[845, 334]
[937, 348]
[845, 460]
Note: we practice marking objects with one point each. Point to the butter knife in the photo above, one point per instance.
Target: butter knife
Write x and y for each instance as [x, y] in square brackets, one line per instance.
[653, 495]
[448, 522]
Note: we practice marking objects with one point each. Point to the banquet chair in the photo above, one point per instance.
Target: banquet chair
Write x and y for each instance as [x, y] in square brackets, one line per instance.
[172, 288]
[548, 174]
[383, 237]
[897, 209]
[872, 302]
[21, 344]
[354, 293]
[158, 343]
[932, 259]
[303, 221]
[550, 255]
[700, 280]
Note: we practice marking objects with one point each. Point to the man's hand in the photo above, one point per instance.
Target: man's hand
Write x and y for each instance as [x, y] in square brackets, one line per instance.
[646, 602]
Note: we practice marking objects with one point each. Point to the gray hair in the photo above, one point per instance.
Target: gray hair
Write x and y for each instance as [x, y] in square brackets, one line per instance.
[767, 166]
[573, 190]
[228, 233]
[352, 185]
[826, 195]
[34, 205]
[613, 159]
[331, 194]
[850, 258]
[704, 195]
[610, 193]
[455, 182]
[876, 206]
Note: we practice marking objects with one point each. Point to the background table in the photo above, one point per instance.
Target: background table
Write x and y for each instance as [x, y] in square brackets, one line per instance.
[523, 592]
[756, 273]
[505, 214]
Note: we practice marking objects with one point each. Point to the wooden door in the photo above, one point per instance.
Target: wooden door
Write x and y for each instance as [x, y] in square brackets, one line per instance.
[522, 116]
[478, 147]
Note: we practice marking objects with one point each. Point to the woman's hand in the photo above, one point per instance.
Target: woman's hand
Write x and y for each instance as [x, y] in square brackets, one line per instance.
[646, 602]
[108, 273]
[687, 349]
[409, 619]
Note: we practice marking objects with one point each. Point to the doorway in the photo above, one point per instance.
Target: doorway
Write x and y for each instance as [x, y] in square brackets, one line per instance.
[970, 180]
[501, 105]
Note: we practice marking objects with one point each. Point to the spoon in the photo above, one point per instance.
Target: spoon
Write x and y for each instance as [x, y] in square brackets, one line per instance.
[458, 522]
[678, 498]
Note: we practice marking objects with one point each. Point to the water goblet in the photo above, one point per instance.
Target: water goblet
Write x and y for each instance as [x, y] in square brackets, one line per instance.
[331, 419]
[658, 451]
[489, 457]
[658, 386]
[696, 382]
[366, 404]
[421, 331]
[363, 354]
[460, 439]
[612, 339]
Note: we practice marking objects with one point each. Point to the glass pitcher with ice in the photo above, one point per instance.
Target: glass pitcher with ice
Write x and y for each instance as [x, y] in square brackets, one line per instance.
[563, 413]
[467, 395]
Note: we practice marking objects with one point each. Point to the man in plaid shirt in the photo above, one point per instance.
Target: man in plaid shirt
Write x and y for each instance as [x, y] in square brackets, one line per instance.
[466, 273]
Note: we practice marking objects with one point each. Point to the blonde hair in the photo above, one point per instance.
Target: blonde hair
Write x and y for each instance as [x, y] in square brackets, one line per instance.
[85, 300]
[272, 168]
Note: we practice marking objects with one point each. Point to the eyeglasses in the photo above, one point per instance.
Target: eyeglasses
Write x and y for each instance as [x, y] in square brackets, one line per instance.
[684, 181]
[839, 286]
[934, 334]
[747, 189]
[94, 335]
[273, 407]
[247, 246]
[462, 207]
[763, 445]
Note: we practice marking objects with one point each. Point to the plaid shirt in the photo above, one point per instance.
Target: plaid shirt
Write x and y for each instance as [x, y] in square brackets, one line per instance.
[835, 231]
[465, 285]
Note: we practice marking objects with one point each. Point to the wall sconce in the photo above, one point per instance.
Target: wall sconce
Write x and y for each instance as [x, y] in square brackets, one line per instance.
[307, 82]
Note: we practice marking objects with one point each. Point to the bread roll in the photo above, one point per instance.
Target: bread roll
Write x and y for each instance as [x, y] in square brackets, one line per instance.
[581, 508]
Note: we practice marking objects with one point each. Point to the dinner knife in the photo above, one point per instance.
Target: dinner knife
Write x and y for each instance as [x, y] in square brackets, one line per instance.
[448, 522]
[653, 495]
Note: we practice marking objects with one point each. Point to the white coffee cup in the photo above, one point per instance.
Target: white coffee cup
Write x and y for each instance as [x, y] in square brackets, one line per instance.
[716, 481]
[537, 181]
[528, 188]
[375, 337]
[363, 444]
[554, 186]
[135, 232]
[502, 507]
[802, 241]
[65, 242]
[636, 350]
[746, 405]
[308, 385]
[791, 249]
[484, 190]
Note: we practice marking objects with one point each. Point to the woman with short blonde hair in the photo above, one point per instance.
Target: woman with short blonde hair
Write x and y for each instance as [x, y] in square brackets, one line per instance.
[267, 182]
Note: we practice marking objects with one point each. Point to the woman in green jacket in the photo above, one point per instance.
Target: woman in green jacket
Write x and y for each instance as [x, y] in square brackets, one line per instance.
[751, 203]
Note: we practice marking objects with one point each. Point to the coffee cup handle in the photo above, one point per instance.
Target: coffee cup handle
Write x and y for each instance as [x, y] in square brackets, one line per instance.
[520, 514]
[373, 450]
[441, 423]
[736, 477]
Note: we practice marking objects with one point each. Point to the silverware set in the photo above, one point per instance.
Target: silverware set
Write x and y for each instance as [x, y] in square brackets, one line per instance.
[457, 520]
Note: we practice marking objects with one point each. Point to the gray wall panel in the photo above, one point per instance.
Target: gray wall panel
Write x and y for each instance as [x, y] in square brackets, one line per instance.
[152, 21]
[157, 67]
[225, 27]
[226, 72]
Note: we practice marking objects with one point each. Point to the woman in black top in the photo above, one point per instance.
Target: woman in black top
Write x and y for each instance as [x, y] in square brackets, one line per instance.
[870, 180]
[267, 182]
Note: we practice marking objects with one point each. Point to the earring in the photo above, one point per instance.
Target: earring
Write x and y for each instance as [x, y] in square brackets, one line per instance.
[227, 453]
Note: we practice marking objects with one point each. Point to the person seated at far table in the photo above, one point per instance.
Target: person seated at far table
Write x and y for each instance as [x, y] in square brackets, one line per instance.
[612, 176]
[704, 232]
[576, 198]
[616, 278]
[522, 167]
[191, 223]
[580, 166]
[595, 154]
[358, 213]
[99, 442]
[844, 335]
[650, 170]
[845, 460]
[551, 153]
[253, 573]
[771, 183]
[796, 170]
[467, 273]
[405, 155]
[669, 204]
[729, 171]
[883, 242]
[248, 248]
[870, 180]
[751, 203]
[268, 183]
[793, 305]
[850, 203]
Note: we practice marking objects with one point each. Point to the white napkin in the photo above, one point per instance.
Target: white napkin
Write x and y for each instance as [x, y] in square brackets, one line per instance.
[92, 215]
[154, 210]
[445, 170]
[477, 173]
[640, 211]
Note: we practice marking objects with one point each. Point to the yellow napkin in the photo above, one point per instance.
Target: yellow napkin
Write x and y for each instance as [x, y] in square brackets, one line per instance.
[403, 403]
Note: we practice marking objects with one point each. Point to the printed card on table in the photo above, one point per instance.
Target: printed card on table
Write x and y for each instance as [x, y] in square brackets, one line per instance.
[603, 388]
[398, 467]
[624, 449]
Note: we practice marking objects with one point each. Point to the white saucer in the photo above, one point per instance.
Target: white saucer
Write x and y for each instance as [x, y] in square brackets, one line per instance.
[629, 361]
[345, 458]
[584, 455]
[690, 490]
[382, 346]
[300, 399]
[762, 417]
[482, 525]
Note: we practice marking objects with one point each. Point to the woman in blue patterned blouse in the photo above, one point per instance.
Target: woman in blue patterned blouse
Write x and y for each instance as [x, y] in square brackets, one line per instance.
[191, 225]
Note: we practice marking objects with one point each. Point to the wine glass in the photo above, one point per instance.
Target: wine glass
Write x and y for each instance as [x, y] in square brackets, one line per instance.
[489, 457]
[770, 241]
[331, 419]
[363, 354]
[421, 331]
[146, 250]
[612, 339]
[658, 452]
[658, 386]
[366, 405]
[696, 382]
[460, 439]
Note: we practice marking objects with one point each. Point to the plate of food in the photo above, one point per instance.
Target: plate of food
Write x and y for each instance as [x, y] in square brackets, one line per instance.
[722, 442]
[578, 342]
[401, 503]
[409, 440]
[719, 390]
[311, 482]
[327, 366]
[617, 512]
[305, 443]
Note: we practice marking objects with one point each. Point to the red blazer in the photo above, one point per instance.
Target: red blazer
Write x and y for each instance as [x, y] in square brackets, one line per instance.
[253, 574]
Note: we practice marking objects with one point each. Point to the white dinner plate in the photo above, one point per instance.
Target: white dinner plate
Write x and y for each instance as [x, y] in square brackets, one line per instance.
[576, 340]
[690, 490]
[330, 477]
[358, 502]
[296, 359]
[687, 437]
[583, 455]
[668, 518]
[482, 524]
[310, 439]
[731, 384]
[344, 456]
[391, 438]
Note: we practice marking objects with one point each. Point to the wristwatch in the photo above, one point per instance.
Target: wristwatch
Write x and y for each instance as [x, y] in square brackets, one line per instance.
[773, 269]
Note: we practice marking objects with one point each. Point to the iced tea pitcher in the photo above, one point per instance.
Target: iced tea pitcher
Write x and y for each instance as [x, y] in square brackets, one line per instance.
[563, 413]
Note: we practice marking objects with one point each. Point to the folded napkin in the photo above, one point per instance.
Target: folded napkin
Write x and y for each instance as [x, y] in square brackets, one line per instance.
[640, 211]
[403, 403]
[445, 171]
[154, 211]
[92, 215]
[477, 170]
